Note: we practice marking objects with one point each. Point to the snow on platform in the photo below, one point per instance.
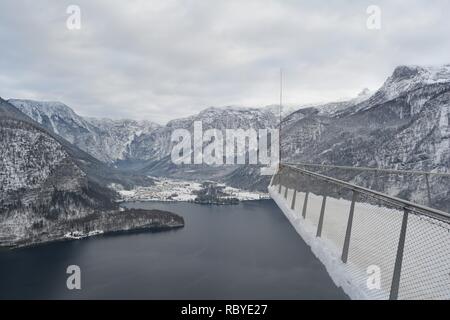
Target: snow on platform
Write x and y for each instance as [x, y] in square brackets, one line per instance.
[373, 244]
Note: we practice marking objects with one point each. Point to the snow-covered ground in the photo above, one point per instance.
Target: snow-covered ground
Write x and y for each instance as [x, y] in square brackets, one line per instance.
[81, 234]
[425, 272]
[178, 190]
[162, 190]
[244, 195]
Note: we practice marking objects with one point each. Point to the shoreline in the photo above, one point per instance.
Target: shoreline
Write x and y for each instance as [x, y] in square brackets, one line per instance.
[120, 201]
[105, 223]
[107, 233]
[123, 210]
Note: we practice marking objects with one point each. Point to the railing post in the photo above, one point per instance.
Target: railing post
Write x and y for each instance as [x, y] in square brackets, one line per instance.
[428, 189]
[348, 232]
[285, 192]
[293, 200]
[305, 204]
[399, 258]
[322, 213]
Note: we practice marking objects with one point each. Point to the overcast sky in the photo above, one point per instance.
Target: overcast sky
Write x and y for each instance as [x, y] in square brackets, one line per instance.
[164, 59]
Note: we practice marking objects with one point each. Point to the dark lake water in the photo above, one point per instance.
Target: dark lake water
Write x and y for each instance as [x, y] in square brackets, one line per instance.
[245, 251]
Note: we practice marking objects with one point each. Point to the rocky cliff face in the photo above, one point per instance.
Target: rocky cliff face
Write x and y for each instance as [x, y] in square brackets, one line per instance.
[409, 131]
[403, 125]
[159, 143]
[40, 182]
[46, 183]
[105, 139]
[125, 142]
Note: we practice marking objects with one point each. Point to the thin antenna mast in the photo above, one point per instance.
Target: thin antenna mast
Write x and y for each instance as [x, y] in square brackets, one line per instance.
[281, 106]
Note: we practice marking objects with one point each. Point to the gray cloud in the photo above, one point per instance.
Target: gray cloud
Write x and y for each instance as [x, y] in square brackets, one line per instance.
[163, 59]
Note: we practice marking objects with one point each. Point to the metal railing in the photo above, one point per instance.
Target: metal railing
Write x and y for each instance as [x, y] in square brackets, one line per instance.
[428, 188]
[407, 242]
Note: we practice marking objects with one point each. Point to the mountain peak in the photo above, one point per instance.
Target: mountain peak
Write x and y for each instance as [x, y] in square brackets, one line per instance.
[405, 72]
[42, 105]
[410, 77]
[50, 110]
[425, 74]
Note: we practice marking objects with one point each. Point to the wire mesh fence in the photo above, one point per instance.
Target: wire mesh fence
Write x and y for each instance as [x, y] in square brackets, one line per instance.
[376, 236]
[426, 262]
[374, 239]
[424, 188]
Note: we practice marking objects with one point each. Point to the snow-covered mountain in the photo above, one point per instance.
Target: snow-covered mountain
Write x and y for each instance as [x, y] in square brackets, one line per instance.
[155, 147]
[105, 139]
[41, 180]
[142, 145]
[334, 107]
[48, 186]
[409, 78]
[132, 144]
[404, 125]
[116, 136]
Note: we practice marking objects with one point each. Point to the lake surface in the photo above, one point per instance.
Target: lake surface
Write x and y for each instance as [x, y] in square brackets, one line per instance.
[245, 251]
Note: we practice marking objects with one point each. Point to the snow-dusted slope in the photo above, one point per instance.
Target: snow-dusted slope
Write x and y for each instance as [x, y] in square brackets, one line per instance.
[49, 187]
[156, 144]
[408, 78]
[404, 125]
[105, 139]
[114, 137]
[334, 107]
[53, 115]
[24, 147]
[40, 180]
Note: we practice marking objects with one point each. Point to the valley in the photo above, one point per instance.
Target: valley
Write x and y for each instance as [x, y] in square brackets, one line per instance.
[58, 166]
[166, 189]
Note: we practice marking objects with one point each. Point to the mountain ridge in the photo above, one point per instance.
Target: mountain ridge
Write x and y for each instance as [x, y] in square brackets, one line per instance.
[105, 139]
[411, 106]
[49, 188]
